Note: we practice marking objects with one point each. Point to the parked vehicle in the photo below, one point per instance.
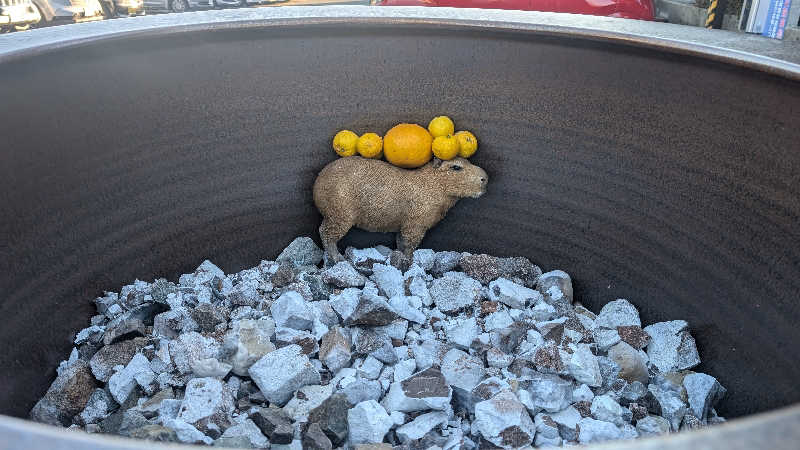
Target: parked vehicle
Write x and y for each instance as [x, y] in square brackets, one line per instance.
[177, 5]
[17, 15]
[63, 11]
[122, 8]
[239, 2]
[629, 9]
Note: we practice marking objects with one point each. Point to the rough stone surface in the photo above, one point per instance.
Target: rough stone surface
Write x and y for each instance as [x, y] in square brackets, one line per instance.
[550, 392]
[512, 294]
[461, 370]
[301, 252]
[368, 422]
[504, 421]
[343, 275]
[388, 279]
[203, 398]
[331, 415]
[372, 310]
[247, 342]
[421, 425]
[273, 424]
[651, 425]
[592, 430]
[455, 292]
[66, 397]
[305, 399]
[671, 346]
[633, 367]
[334, 349]
[424, 390]
[315, 439]
[279, 373]
[103, 362]
[292, 311]
[703, 391]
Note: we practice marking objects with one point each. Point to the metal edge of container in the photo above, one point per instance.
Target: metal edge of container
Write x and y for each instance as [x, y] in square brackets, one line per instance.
[778, 429]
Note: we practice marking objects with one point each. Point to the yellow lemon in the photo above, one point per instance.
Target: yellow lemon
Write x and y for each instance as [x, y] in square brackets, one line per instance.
[468, 144]
[344, 143]
[369, 145]
[446, 147]
[407, 145]
[441, 126]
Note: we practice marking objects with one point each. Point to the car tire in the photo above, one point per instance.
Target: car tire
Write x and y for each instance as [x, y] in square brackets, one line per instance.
[178, 6]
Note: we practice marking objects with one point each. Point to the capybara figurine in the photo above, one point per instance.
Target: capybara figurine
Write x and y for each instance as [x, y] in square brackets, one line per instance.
[376, 196]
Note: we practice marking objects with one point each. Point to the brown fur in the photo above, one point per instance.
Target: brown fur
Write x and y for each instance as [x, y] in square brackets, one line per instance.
[376, 196]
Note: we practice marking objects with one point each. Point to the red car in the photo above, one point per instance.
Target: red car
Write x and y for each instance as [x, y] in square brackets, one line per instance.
[628, 9]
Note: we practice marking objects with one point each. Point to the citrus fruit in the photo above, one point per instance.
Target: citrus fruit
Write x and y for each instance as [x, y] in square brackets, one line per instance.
[468, 144]
[344, 143]
[407, 145]
[445, 147]
[369, 145]
[441, 126]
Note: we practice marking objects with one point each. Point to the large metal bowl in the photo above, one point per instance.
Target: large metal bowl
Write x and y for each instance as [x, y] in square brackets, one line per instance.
[651, 162]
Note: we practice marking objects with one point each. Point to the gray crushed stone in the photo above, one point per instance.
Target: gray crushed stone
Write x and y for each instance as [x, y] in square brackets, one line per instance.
[442, 350]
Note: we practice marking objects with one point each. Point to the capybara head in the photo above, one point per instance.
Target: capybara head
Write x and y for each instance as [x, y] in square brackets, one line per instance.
[459, 178]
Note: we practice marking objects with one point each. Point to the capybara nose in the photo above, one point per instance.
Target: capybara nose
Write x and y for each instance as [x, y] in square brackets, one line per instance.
[483, 180]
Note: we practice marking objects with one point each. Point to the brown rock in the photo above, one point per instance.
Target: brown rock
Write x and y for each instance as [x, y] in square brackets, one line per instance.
[634, 336]
[67, 396]
[488, 307]
[112, 355]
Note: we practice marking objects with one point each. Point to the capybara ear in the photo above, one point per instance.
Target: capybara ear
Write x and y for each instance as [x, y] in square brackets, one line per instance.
[437, 162]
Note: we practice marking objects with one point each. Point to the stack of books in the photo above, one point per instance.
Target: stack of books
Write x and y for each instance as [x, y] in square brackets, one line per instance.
[765, 17]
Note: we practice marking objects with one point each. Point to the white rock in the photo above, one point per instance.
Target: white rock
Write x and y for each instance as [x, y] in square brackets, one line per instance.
[633, 366]
[190, 347]
[398, 418]
[605, 408]
[592, 430]
[343, 275]
[605, 338]
[204, 397]
[404, 369]
[462, 370]
[504, 412]
[210, 367]
[582, 393]
[550, 392]
[122, 383]
[512, 294]
[582, 365]
[462, 331]
[279, 373]
[455, 291]
[187, 433]
[428, 353]
[368, 423]
[567, 418]
[389, 280]
[369, 368]
[424, 390]
[496, 358]
[249, 341]
[306, 399]
[542, 312]
[497, 320]
[703, 392]
[671, 347]
[421, 425]
[249, 430]
[345, 302]
[424, 258]
[292, 311]
[404, 307]
[619, 313]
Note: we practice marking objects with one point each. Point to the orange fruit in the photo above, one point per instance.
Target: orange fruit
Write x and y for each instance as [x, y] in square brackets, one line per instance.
[445, 147]
[468, 144]
[369, 145]
[408, 145]
[344, 143]
[441, 126]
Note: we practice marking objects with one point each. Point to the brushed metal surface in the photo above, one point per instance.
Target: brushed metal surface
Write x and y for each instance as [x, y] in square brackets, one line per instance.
[140, 157]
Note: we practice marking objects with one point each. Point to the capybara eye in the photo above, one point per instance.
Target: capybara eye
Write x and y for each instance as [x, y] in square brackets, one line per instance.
[455, 167]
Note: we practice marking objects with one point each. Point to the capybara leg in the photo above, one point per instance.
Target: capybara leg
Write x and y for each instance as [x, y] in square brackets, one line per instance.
[408, 239]
[330, 232]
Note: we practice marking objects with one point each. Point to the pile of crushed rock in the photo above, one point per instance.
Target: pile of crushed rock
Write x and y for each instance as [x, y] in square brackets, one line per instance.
[449, 350]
